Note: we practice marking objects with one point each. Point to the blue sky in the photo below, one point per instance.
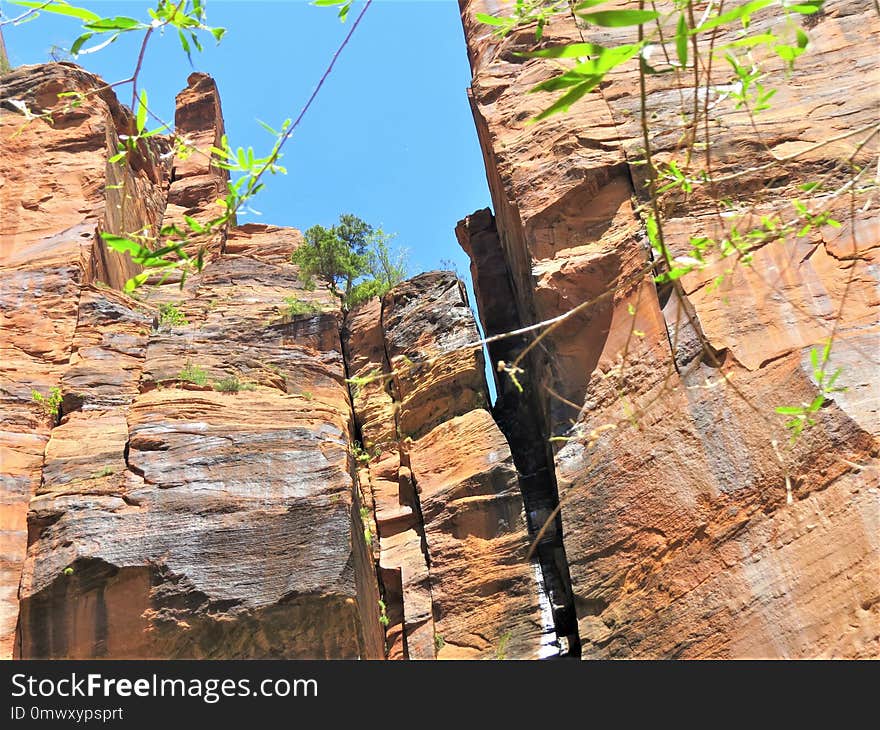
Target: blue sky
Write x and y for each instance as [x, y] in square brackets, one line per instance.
[390, 138]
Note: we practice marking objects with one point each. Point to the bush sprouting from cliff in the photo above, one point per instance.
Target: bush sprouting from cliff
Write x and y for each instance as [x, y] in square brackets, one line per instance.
[231, 384]
[353, 259]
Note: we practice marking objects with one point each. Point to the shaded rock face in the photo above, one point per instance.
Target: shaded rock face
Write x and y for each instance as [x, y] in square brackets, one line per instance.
[679, 537]
[452, 539]
[290, 513]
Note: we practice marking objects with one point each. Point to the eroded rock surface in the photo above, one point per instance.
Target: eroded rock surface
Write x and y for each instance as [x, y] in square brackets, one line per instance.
[700, 533]
[195, 495]
[56, 194]
[453, 542]
[207, 488]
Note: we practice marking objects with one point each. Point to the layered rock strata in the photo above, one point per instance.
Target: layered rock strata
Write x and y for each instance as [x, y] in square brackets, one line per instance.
[699, 532]
[56, 193]
[161, 516]
[453, 545]
[211, 483]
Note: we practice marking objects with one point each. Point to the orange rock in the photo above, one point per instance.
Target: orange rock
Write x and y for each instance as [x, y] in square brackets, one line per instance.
[55, 194]
[483, 587]
[450, 499]
[167, 518]
[693, 535]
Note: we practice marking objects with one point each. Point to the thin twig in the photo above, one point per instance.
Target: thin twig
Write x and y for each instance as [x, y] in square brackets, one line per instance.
[137, 68]
[25, 15]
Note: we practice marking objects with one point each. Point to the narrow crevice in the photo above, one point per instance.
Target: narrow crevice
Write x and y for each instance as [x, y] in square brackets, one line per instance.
[404, 460]
[358, 435]
[395, 591]
[518, 414]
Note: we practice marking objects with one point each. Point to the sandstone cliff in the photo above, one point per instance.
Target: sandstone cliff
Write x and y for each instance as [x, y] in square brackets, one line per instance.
[155, 516]
[679, 535]
[356, 494]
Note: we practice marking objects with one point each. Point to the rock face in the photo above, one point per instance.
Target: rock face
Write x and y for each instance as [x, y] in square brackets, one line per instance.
[204, 473]
[236, 531]
[162, 517]
[209, 485]
[452, 537]
[54, 198]
[699, 533]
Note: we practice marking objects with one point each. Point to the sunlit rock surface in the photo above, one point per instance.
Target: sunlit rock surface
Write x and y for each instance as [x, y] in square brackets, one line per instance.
[693, 535]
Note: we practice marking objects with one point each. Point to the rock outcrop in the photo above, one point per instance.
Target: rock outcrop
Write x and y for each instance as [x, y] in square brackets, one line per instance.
[56, 193]
[698, 533]
[209, 486]
[452, 538]
[200, 471]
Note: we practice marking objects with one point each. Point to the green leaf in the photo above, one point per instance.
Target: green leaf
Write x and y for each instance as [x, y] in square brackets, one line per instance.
[194, 224]
[606, 60]
[817, 403]
[743, 12]
[673, 274]
[117, 23]
[790, 410]
[484, 18]
[79, 42]
[136, 281]
[267, 128]
[218, 33]
[141, 119]
[571, 50]
[185, 45]
[805, 8]
[94, 49]
[750, 41]
[681, 40]
[343, 11]
[224, 153]
[563, 103]
[154, 132]
[829, 384]
[786, 53]
[653, 232]
[814, 359]
[122, 244]
[620, 18]
[60, 8]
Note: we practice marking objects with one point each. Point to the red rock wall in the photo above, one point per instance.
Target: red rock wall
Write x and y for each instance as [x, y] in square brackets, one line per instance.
[452, 539]
[159, 517]
[53, 201]
[679, 536]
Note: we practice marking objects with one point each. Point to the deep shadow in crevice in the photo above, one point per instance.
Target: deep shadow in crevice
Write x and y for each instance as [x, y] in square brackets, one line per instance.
[518, 416]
